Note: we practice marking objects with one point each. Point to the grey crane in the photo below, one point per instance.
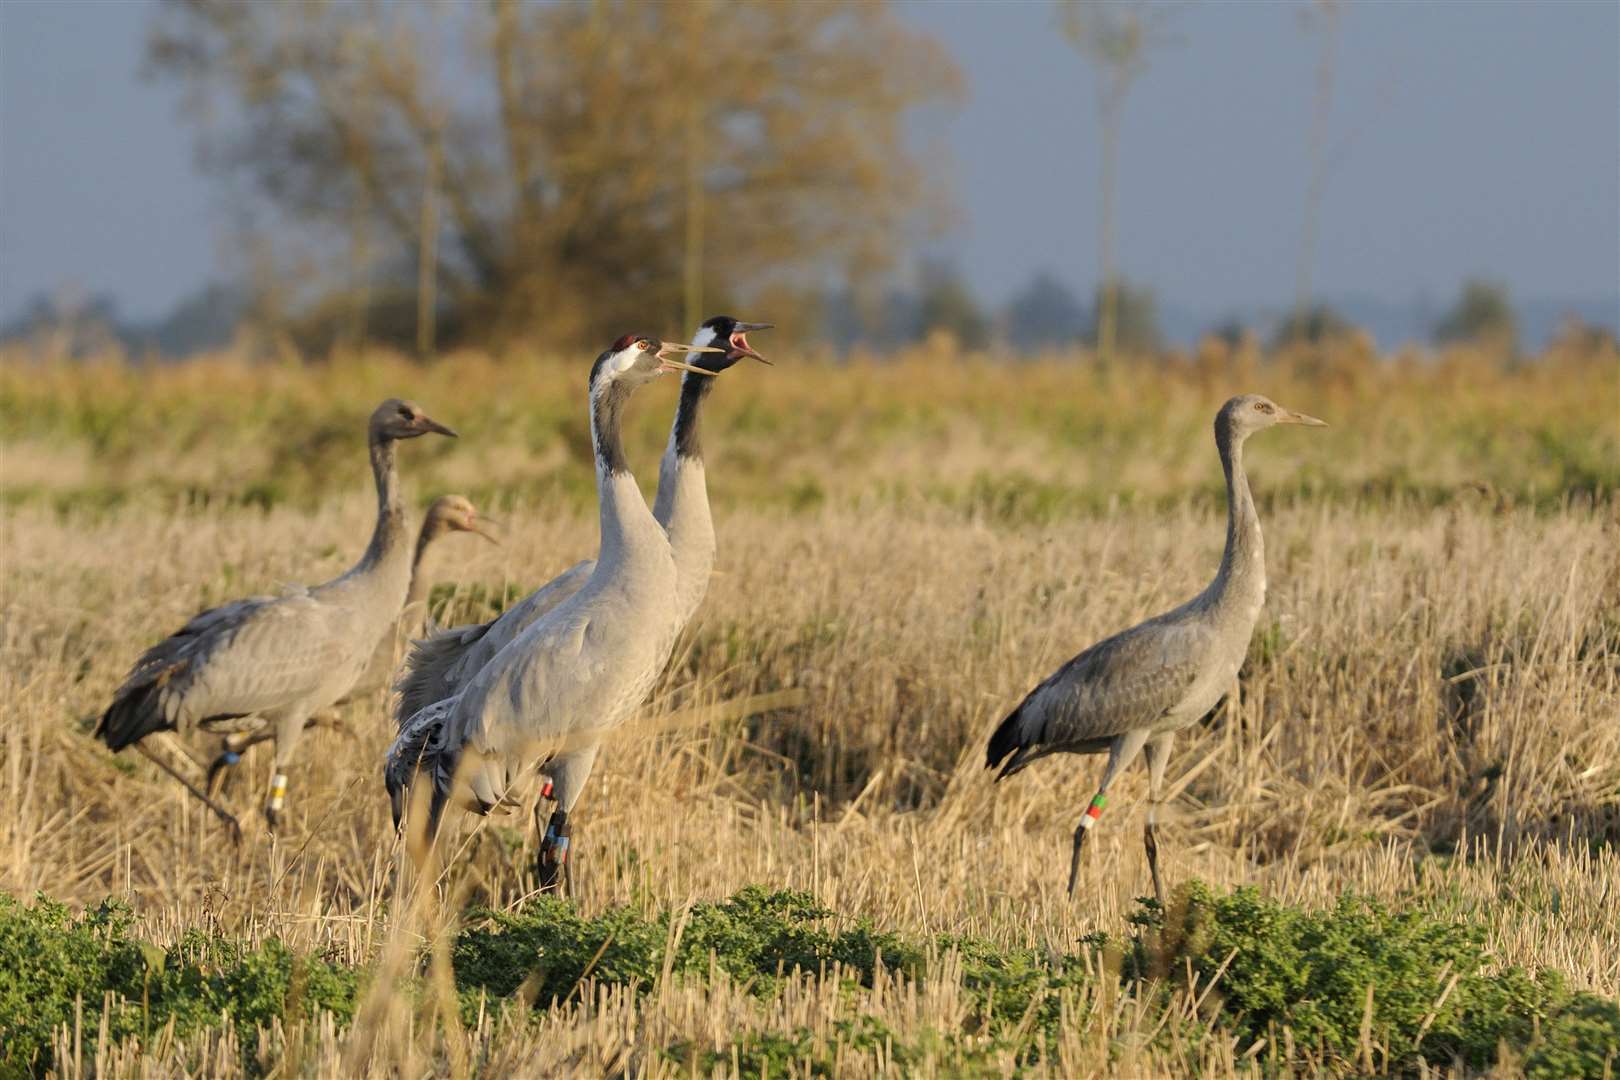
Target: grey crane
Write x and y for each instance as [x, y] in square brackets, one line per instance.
[283, 657]
[440, 665]
[1132, 692]
[447, 514]
[583, 666]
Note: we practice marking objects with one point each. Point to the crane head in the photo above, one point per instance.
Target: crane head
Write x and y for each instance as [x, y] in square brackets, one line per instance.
[400, 419]
[1242, 416]
[457, 514]
[636, 358]
[732, 337]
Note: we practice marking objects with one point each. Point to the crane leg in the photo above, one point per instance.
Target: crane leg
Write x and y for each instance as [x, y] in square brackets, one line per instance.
[552, 866]
[1120, 754]
[289, 730]
[1157, 751]
[224, 815]
[234, 745]
[567, 773]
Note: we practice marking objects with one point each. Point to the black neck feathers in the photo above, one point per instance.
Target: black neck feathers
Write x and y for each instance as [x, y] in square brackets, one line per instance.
[688, 426]
[607, 406]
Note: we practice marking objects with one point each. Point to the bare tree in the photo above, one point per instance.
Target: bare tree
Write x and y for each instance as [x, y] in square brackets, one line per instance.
[564, 164]
[1115, 37]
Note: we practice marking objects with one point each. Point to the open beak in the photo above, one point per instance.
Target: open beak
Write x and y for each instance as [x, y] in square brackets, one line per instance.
[739, 339]
[1289, 416]
[427, 423]
[668, 364]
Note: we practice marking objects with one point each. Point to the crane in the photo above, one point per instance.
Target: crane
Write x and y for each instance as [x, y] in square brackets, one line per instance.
[282, 657]
[1131, 693]
[583, 666]
[437, 667]
[447, 514]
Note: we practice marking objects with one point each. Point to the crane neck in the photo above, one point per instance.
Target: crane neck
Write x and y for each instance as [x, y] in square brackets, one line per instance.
[390, 527]
[682, 504]
[432, 529]
[684, 434]
[628, 527]
[1243, 564]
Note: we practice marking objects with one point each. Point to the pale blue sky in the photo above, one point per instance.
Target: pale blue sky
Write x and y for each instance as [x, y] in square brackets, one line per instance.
[1483, 139]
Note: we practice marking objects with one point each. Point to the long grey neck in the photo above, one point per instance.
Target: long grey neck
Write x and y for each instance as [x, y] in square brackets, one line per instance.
[390, 527]
[628, 527]
[682, 505]
[1242, 575]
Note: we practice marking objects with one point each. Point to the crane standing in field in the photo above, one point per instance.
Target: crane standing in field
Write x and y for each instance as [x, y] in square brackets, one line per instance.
[1132, 692]
[583, 666]
[448, 514]
[281, 657]
[439, 666]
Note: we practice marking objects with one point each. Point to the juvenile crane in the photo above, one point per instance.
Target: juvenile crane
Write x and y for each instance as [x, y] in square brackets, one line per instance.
[448, 514]
[583, 666]
[283, 657]
[1132, 692]
[437, 667]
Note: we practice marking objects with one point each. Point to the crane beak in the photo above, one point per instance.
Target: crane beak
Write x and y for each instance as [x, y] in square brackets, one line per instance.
[739, 339]
[667, 363]
[427, 423]
[1289, 416]
[477, 526]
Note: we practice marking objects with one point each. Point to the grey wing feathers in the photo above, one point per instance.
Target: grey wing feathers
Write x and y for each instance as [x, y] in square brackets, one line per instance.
[410, 754]
[439, 666]
[426, 675]
[233, 660]
[1120, 684]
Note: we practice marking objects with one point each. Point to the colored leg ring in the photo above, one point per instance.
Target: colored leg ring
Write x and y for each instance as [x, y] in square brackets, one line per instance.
[1093, 812]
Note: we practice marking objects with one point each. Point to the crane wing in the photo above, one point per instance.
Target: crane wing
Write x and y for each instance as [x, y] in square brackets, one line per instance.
[245, 657]
[1122, 683]
[441, 665]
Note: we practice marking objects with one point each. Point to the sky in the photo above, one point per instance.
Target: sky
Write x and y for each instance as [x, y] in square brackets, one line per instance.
[1470, 139]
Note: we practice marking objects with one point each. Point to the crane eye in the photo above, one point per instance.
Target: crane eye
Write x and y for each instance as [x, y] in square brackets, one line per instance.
[643, 344]
[1262, 406]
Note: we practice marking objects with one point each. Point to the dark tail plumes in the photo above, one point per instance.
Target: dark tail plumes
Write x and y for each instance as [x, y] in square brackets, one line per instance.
[133, 715]
[1004, 741]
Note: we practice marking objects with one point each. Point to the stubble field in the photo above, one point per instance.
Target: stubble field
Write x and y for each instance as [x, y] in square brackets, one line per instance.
[1429, 719]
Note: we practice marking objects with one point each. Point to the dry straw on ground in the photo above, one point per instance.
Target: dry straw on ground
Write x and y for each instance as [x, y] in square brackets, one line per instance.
[1430, 713]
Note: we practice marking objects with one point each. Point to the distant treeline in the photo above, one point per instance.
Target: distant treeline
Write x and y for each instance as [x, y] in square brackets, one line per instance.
[1043, 315]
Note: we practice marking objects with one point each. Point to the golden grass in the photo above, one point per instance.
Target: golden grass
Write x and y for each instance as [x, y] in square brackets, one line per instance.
[1430, 715]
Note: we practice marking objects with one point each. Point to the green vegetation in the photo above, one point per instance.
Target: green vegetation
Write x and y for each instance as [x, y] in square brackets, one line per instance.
[1257, 968]
[1411, 985]
[54, 966]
